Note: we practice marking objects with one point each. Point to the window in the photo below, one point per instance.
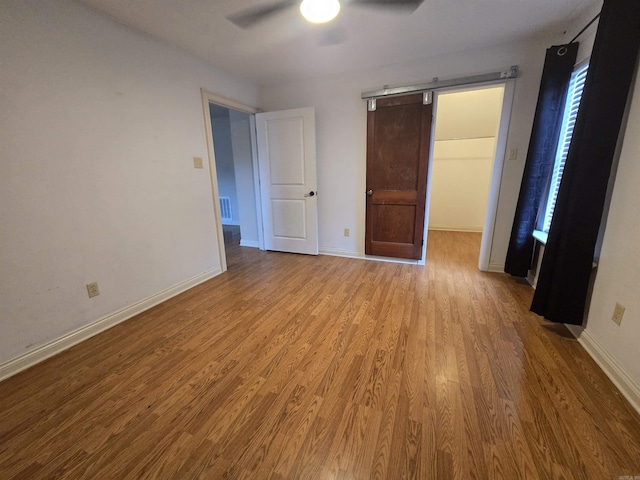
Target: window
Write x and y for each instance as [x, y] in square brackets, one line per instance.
[576, 85]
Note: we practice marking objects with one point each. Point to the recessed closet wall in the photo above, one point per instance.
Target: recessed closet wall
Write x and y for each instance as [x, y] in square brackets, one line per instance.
[463, 154]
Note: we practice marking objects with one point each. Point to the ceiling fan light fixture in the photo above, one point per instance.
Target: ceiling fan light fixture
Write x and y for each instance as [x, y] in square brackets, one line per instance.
[319, 11]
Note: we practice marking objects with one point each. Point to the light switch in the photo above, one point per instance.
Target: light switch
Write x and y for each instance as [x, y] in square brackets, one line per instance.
[513, 154]
[197, 162]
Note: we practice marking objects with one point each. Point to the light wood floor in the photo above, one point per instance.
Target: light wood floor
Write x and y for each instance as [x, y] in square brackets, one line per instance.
[298, 367]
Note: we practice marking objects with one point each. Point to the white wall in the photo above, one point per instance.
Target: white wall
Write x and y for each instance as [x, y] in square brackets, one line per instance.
[618, 273]
[98, 127]
[243, 167]
[224, 165]
[341, 133]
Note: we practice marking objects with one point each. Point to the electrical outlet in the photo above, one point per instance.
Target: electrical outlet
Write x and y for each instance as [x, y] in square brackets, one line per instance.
[346, 232]
[92, 289]
[197, 162]
[618, 312]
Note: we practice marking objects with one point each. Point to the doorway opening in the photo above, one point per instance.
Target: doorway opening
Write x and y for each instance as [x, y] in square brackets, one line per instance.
[235, 179]
[463, 170]
[263, 177]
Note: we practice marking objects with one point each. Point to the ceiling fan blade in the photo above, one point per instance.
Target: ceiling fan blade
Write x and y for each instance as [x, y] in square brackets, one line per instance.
[406, 5]
[254, 15]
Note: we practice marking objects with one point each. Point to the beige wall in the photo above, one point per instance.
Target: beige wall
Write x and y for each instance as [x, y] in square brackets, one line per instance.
[464, 148]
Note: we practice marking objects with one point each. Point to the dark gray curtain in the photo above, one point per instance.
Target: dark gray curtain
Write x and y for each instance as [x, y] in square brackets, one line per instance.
[563, 282]
[558, 66]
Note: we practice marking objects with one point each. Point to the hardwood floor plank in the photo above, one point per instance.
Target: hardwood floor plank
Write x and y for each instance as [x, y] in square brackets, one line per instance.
[295, 433]
[382, 451]
[299, 367]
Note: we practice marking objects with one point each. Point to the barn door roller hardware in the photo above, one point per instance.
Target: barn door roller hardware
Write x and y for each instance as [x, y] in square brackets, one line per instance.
[511, 72]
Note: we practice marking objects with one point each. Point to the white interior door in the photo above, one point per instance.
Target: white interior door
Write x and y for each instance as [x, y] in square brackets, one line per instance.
[287, 163]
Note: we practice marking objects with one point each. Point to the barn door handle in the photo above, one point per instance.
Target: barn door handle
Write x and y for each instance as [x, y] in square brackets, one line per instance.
[310, 194]
[369, 192]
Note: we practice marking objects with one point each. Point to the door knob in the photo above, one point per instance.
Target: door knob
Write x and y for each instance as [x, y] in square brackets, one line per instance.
[369, 192]
[310, 194]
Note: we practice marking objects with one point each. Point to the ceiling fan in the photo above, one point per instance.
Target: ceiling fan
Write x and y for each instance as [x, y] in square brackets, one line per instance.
[315, 11]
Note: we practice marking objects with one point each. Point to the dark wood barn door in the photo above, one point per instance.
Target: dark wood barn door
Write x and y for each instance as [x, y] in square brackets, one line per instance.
[398, 139]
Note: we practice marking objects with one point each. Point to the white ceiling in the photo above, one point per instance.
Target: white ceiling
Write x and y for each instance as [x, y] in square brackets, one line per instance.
[286, 47]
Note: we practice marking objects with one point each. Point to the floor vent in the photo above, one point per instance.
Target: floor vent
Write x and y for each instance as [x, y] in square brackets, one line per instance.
[225, 209]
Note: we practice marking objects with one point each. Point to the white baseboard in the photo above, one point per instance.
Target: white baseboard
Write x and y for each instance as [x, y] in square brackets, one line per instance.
[627, 386]
[60, 344]
[336, 252]
[456, 228]
[249, 243]
[495, 268]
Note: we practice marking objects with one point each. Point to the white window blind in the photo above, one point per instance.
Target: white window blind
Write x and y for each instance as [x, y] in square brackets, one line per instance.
[576, 86]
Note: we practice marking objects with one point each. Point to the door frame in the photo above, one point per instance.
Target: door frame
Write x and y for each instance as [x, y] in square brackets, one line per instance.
[488, 231]
[207, 98]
